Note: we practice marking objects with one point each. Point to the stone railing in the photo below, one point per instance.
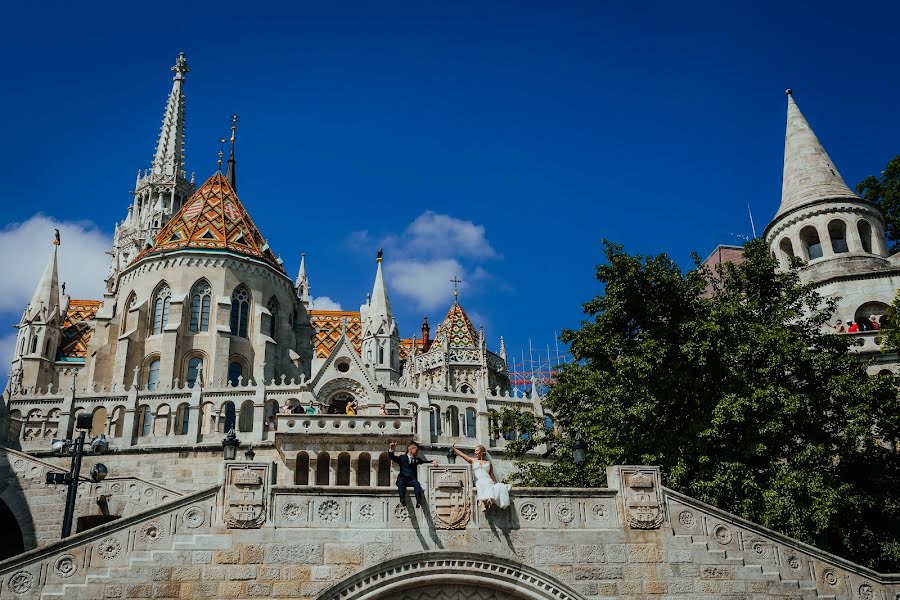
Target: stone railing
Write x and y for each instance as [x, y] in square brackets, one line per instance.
[356, 425]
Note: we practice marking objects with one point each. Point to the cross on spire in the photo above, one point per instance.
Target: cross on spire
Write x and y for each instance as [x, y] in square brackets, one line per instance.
[456, 281]
[231, 172]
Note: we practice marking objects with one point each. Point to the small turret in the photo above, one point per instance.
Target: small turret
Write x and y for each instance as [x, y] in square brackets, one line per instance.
[302, 282]
[380, 339]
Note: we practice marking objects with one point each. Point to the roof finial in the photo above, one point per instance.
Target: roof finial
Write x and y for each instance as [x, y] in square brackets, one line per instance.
[231, 173]
[789, 92]
[56, 241]
[221, 153]
[456, 281]
[380, 255]
[181, 66]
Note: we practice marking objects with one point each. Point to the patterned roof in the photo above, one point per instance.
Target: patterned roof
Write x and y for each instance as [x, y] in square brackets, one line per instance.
[406, 346]
[212, 219]
[458, 327]
[77, 328]
[327, 325]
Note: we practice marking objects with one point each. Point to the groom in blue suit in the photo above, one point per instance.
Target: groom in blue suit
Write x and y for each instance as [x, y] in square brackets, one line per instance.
[408, 475]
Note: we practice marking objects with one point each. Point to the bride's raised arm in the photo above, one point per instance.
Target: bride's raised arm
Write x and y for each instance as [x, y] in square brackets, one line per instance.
[460, 454]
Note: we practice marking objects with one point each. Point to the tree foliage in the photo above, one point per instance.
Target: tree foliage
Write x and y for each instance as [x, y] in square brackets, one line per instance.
[731, 383]
[885, 192]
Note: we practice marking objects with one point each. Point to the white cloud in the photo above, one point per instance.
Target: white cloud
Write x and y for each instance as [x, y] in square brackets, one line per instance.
[83, 261]
[7, 348]
[325, 303]
[427, 282]
[445, 236]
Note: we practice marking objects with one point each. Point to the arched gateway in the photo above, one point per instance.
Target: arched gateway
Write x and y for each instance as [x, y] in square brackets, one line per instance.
[449, 576]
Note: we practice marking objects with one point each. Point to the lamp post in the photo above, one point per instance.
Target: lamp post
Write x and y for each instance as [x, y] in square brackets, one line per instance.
[98, 445]
[230, 446]
[579, 454]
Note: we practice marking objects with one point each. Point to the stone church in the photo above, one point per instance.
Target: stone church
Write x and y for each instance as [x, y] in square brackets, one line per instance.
[202, 344]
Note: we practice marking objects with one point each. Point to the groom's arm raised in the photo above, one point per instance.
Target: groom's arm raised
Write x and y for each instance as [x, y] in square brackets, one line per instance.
[391, 448]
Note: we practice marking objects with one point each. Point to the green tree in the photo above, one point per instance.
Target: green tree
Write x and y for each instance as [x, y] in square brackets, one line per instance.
[730, 382]
[885, 192]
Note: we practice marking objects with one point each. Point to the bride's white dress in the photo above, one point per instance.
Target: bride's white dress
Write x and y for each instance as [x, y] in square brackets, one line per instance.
[498, 493]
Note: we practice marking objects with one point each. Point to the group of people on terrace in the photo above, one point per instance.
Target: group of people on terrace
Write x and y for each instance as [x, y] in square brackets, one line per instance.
[871, 323]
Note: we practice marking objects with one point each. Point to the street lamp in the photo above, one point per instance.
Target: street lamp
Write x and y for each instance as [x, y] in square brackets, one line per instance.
[579, 454]
[98, 445]
[249, 453]
[230, 445]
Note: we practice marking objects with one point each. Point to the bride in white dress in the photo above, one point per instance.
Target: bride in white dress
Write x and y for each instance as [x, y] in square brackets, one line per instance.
[489, 491]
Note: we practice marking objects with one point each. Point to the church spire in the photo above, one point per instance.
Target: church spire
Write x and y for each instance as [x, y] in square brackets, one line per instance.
[302, 283]
[380, 305]
[230, 172]
[46, 294]
[809, 173]
[169, 157]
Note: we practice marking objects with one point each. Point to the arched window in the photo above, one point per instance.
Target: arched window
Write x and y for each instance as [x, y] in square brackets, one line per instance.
[160, 316]
[182, 418]
[508, 432]
[235, 372]
[153, 374]
[47, 348]
[470, 422]
[201, 299]
[22, 345]
[33, 344]
[195, 368]
[787, 249]
[246, 422]
[453, 421]
[435, 420]
[381, 355]
[240, 311]
[301, 472]
[323, 468]
[145, 420]
[161, 420]
[98, 423]
[343, 469]
[364, 469]
[129, 304]
[338, 403]
[837, 231]
[871, 316]
[865, 235]
[272, 306]
[384, 470]
[226, 417]
[811, 244]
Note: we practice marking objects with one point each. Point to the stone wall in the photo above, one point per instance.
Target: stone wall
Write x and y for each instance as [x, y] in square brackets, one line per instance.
[635, 539]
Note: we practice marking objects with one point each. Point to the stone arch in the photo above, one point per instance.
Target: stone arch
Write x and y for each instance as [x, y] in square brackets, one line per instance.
[811, 243]
[837, 234]
[417, 576]
[14, 509]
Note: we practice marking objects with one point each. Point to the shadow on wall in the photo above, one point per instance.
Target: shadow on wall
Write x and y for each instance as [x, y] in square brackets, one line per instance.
[16, 524]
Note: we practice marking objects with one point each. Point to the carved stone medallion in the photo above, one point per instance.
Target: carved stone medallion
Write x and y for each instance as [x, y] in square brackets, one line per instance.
[109, 548]
[687, 519]
[866, 592]
[830, 578]
[450, 496]
[329, 511]
[723, 534]
[151, 533]
[21, 582]
[291, 511]
[194, 517]
[65, 565]
[401, 512]
[565, 513]
[245, 496]
[366, 512]
[529, 511]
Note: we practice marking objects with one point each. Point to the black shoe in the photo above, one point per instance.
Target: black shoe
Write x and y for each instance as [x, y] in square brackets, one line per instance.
[403, 502]
[418, 505]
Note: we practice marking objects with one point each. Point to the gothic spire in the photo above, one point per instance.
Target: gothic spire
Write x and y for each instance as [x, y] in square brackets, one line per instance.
[302, 283]
[230, 172]
[169, 157]
[809, 173]
[46, 294]
[380, 305]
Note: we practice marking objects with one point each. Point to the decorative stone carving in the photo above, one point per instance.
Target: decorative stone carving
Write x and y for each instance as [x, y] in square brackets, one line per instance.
[151, 532]
[866, 592]
[794, 562]
[245, 495]
[830, 578]
[21, 582]
[565, 513]
[194, 517]
[687, 519]
[529, 512]
[450, 491]
[291, 511]
[599, 512]
[643, 502]
[65, 565]
[366, 512]
[109, 548]
[723, 534]
[329, 511]
[760, 549]
[401, 512]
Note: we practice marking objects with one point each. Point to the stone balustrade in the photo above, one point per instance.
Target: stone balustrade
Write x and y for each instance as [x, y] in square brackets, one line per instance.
[356, 425]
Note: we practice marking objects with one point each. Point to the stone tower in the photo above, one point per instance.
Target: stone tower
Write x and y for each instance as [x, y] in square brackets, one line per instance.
[161, 190]
[40, 330]
[380, 337]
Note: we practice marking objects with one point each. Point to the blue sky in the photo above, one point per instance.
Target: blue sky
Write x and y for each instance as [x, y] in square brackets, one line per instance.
[499, 141]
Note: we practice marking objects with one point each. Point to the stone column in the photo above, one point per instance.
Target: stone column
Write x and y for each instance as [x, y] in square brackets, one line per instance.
[423, 425]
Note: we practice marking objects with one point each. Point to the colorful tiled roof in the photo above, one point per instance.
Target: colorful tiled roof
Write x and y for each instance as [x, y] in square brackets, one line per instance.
[213, 219]
[77, 329]
[406, 346]
[458, 327]
[327, 325]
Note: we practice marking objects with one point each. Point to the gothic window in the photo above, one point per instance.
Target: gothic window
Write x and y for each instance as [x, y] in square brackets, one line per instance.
[145, 426]
[381, 355]
[22, 346]
[453, 421]
[865, 235]
[226, 417]
[787, 249]
[273, 309]
[470, 422]
[235, 371]
[160, 310]
[810, 238]
[343, 469]
[339, 402]
[129, 304]
[47, 348]
[240, 311]
[195, 367]
[153, 374]
[323, 468]
[435, 421]
[33, 345]
[246, 417]
[364, 469]
[837, 231]
[182, 418]
[301, 473]
[201, 299]
[384, 470]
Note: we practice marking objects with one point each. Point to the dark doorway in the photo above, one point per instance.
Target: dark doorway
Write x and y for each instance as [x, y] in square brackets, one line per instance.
[13, 543]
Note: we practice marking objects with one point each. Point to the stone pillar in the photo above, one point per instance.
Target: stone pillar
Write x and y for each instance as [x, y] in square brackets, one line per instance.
[195, 406]
[259, 412]
[482, 421]
[128, 427]
[423, 425]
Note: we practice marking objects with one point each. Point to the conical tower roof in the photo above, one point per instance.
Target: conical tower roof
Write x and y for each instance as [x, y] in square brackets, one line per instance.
[169, 156]
[46, 294]
[213, 219]
[809, 173]
[457, 328]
